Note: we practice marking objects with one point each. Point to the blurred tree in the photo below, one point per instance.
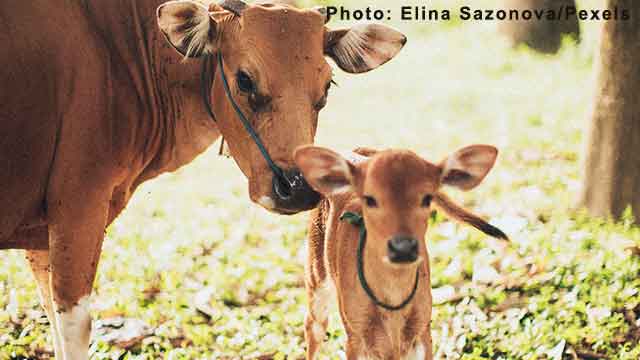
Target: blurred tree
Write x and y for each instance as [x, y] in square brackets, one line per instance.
[612, 178]
[543, 35]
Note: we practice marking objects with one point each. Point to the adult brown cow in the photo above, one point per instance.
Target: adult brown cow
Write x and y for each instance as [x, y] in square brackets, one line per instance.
[94, 102]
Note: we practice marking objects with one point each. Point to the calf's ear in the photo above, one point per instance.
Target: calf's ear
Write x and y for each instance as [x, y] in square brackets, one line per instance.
[363, 47]
[325, 170]
[467, 167]
[190, 27]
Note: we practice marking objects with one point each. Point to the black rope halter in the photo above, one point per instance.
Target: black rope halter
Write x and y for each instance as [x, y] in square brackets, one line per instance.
[206, 83]
[357, 220]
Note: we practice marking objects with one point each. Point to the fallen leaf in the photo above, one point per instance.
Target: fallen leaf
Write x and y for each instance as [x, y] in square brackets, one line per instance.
[124, 333]
[443, 294]
[557, 352]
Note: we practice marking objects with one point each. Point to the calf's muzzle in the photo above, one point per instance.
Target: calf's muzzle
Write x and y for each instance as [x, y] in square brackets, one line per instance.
[402, 249]
[293, 194]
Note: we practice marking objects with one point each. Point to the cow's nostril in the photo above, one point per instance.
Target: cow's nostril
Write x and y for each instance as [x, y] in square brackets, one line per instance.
[293, 194]
[282, 188]
[403, 249]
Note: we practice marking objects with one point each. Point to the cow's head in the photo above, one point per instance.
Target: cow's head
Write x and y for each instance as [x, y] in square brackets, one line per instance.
[397, 189]
[274, 59]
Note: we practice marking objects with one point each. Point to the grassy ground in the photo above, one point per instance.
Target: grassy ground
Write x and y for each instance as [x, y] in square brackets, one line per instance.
[192, 270]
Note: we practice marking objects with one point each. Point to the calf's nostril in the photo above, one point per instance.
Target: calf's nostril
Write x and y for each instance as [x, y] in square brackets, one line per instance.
[403, 244]
[403, 249]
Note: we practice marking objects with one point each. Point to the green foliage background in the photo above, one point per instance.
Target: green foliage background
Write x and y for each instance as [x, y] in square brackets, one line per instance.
[208, 275]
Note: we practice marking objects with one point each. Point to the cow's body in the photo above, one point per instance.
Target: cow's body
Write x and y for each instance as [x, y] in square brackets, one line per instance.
[96, 99]
[93, 103]
[96, 104]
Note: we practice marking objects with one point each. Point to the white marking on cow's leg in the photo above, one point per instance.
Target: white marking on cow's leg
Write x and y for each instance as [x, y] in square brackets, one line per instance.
[418, 353]
[267, 202]
[74, 326]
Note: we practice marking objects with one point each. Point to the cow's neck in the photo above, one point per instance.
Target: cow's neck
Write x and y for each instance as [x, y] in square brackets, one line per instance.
[167, 121]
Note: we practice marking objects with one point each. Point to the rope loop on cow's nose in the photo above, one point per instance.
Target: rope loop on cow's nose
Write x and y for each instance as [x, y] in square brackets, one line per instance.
[206, 95]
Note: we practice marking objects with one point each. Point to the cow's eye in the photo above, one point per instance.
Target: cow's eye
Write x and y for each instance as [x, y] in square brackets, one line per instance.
[426, 201]
[370, 201]
[245, 84]
[323, 102]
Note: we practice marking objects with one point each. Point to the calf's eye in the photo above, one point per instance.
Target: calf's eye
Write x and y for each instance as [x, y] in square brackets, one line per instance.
[245, 84]
[426, 201]
[370, 201]
[321, 104]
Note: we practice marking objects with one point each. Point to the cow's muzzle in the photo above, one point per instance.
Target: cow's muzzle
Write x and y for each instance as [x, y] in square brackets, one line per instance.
[294, 195]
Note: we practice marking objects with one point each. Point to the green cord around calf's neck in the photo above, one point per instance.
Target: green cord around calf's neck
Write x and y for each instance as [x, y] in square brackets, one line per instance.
[358, 220]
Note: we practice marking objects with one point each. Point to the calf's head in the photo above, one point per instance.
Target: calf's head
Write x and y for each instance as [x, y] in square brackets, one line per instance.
[397, 189]
[275, 63]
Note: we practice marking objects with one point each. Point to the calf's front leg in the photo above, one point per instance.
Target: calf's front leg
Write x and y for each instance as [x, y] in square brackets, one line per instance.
[354, 348]
[427, 343]
[422, 350]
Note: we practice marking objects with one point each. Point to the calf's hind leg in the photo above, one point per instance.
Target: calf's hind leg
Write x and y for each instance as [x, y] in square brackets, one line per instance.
[316, 320]
[317, 285]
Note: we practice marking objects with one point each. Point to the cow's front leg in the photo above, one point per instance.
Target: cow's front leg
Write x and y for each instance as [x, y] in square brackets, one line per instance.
[76, 233]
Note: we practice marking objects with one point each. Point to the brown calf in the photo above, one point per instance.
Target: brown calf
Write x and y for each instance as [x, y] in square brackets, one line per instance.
[381, 275]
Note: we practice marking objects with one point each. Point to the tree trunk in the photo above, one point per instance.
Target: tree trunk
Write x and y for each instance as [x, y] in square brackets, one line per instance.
[612, 177]
[542, 35]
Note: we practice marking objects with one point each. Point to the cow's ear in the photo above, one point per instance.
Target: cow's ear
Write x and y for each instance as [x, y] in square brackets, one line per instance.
[325, 170]
[363, 47]
[467, 167]
[189, 26]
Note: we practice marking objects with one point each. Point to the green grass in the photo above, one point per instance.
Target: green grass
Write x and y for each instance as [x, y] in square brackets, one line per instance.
[212, 276]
